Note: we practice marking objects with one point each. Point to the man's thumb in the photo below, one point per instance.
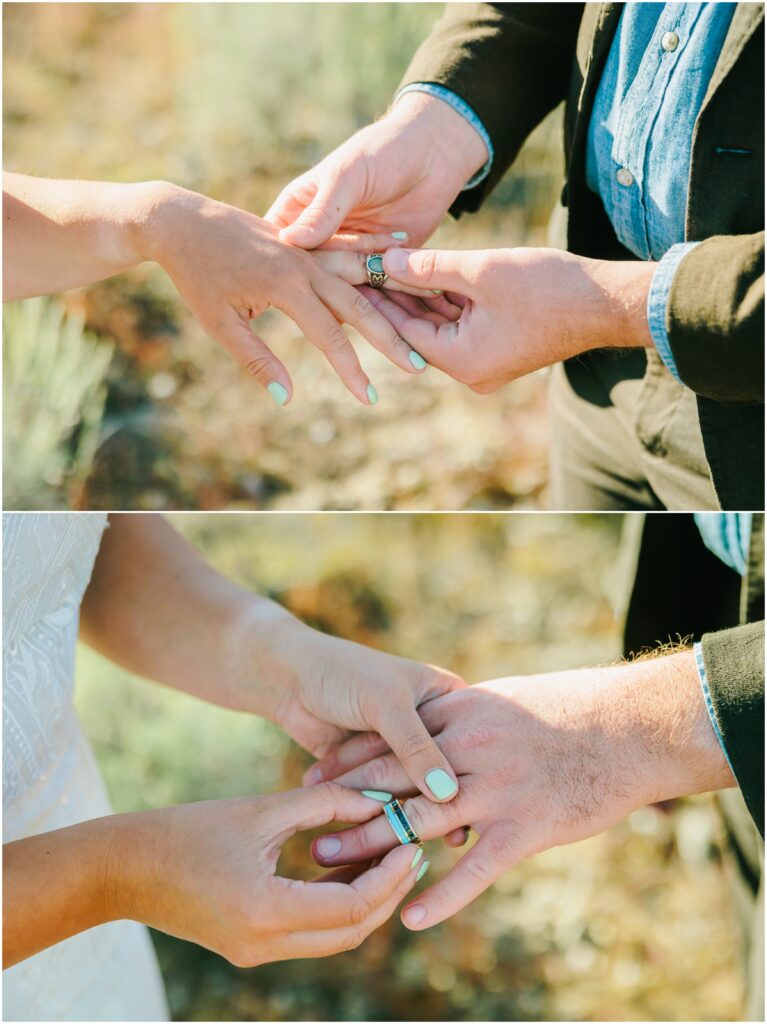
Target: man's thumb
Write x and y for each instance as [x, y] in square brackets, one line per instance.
[443, 269]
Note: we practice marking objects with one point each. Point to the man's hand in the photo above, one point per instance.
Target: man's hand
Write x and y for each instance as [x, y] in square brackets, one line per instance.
[542, 761]
[522, 309]
[397, 176]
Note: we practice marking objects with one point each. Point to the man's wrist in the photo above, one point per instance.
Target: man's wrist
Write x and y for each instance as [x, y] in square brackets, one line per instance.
[447, 134]
[618, 314]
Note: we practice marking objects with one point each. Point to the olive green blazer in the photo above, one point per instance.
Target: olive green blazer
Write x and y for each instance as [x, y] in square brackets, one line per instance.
[513, 63]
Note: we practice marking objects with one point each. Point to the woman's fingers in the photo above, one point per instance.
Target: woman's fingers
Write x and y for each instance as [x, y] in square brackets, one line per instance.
[352, 268]
[312, 807]
[324, 331]
[418, 753]
[252, 353]
[353, 308]
[362, 842]
[483, 864]
[358, 750]
[310, 906]
[381, 774]
[326, 941]
[348, 241]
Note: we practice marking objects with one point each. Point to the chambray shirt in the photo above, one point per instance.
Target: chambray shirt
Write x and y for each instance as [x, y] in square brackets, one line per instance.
[640, 134]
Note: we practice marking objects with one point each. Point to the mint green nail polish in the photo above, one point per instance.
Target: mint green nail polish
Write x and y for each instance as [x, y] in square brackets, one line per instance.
[378, 794]
[423, 870]
[278, 392]
[372, 394]
[417, 360]
[440, 783]
[436, 291]
[401, 236]
[418, 855]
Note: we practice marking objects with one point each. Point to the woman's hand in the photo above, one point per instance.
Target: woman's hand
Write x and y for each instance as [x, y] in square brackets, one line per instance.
[320, 689]
[522, 309]
[230, 266]
[206, 872]
[397, 176]
[542, 761]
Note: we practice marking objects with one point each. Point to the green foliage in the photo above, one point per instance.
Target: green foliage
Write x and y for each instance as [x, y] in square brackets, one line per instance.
[53, 394]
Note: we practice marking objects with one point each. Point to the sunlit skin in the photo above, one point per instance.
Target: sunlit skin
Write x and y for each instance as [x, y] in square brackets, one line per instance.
[228, 265]
[542, 761]
[522, 308]
[154, 606]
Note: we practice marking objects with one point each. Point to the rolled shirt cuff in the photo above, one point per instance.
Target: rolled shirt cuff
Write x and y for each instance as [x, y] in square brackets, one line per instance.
[657, 302]
[701, 666]
[461, 107]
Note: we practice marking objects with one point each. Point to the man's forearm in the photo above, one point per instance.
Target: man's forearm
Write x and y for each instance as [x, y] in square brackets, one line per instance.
[156, 607]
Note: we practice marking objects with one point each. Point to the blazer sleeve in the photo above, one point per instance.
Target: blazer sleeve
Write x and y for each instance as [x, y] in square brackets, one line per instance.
[734, 661]
[715, 318]
[510, 62]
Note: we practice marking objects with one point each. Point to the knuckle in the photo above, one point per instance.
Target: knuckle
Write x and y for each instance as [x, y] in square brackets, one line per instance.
[359, 911]
[259, 367]
[427, 263]
[416, 746]
[362, 306]
[334, 341]
[475, 737]
[354, 939]
[502, 847]
[478, 869]
[377, 772]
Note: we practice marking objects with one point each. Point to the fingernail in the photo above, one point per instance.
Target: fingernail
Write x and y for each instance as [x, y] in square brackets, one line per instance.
[436, 291]
[440, 783]
[416, 858]
[378, 794]
[315, 775]
[395, 261]
[401, 236]
[421, 872]
[415, 913]
[417, 360]
[278, 392]
[328, 847]
[372, 394]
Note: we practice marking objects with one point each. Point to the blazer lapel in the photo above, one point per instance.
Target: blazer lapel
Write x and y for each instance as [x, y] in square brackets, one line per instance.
[745, 21]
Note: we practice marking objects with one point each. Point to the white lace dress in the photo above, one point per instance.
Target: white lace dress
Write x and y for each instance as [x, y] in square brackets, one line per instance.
[50, 777]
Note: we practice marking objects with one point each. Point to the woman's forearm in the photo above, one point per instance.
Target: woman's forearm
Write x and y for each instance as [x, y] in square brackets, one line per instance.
[156, 607]
[56, 885]
[66, 234]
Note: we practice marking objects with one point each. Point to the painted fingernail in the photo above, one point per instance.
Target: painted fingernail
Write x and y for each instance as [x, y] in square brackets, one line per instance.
[395, 261]
[421, 872]
[314, 775]
[372, 394]
[401, 236]
[415, 913]
[328, 847]
[378, 794]
[416, 858]
[417, 360]
[440, 783]
[278, 392]
[436, 291]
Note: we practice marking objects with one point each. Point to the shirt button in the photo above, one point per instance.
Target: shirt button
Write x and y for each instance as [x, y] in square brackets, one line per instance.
[670, 41]
[625, 177]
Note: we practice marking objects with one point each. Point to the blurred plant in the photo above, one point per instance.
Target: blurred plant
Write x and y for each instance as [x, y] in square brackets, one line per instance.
[53, 391]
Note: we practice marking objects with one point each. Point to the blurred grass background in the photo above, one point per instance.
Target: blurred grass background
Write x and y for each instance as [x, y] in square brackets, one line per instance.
[635, 924]
[234, 100]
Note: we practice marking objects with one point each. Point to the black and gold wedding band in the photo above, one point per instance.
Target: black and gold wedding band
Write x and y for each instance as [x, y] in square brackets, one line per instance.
[403, 830]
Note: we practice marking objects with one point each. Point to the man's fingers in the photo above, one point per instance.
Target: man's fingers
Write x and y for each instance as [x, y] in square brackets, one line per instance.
[323, 216]
[325, 332]
[457, 838]
[402, 728]
[352, 268]
[358, 750]
[482, 865]
[434, 339]
[353, 308]
[291, 201]
[445, 269]
[252, 353]
[373, 838]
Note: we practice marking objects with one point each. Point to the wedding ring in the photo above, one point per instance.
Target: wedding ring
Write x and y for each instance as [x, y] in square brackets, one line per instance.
[375, 270]
[398, 820]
